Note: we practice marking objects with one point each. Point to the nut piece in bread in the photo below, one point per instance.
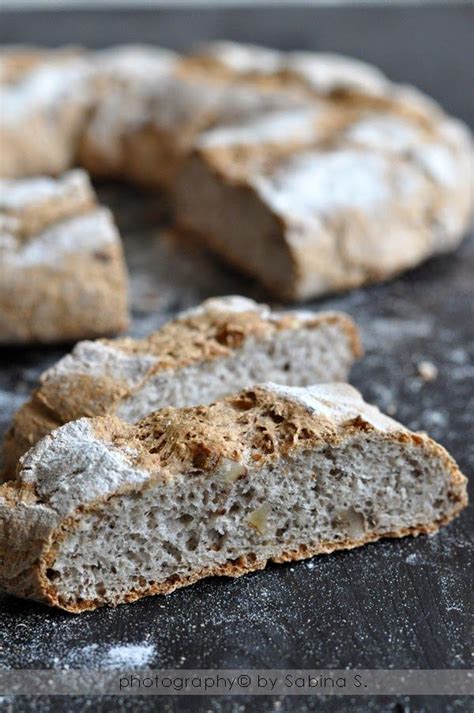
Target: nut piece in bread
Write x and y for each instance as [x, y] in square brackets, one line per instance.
[104, 512]
[219, 347]
[60, 259]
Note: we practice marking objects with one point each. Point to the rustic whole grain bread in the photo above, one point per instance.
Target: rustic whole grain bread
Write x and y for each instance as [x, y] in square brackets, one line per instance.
[104, 512]
[150, 106]
[128, 82]
[370, 181]
[206, 353]
[319, 161]
[45, 96]
[60, 259]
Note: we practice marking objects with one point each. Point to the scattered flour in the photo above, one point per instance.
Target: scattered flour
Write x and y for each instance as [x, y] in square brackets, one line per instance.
[97, 656]
[415, 559]
[133, 655]
[427, 370]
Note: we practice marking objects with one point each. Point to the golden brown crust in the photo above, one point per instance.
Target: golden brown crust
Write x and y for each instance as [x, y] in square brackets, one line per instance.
[194, 439]
[92, 279]
[211, 335]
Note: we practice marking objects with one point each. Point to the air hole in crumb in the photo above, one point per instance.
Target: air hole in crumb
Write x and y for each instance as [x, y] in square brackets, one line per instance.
[185, 519]
[192, 543]
[249, 495]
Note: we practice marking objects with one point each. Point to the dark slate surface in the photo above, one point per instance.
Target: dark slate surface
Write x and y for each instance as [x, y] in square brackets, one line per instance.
[396, 604]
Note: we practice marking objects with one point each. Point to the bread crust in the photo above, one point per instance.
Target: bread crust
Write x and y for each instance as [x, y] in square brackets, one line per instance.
[36, 517]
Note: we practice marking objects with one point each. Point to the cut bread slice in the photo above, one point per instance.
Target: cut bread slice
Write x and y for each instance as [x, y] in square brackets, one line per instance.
[60, 259]
[219, 347]
[104, 512]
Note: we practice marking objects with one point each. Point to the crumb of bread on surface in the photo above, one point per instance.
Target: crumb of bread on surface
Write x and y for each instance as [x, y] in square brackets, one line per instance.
[427, 370]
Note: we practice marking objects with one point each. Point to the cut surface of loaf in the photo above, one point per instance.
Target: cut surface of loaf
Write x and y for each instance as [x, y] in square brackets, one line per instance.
[60, 259]
[104, 512]
[205, 353]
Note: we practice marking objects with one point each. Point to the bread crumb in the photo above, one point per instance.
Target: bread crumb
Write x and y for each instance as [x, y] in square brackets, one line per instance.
[427, 370]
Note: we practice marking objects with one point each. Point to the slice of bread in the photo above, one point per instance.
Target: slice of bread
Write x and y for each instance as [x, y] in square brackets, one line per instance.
[60, 257]
[104, 512]
[219, 347]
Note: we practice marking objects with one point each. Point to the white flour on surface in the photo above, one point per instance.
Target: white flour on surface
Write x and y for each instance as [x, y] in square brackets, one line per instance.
[121, 656]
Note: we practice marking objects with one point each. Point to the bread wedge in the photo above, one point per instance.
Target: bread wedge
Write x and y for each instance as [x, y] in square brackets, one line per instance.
[104, 512]
[208, 352]
[62, 271]
[339, 197]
